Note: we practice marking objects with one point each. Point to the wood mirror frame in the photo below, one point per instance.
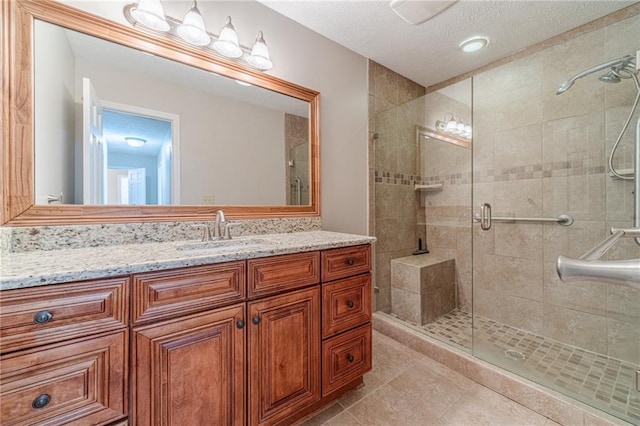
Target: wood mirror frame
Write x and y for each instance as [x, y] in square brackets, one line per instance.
[17, 186]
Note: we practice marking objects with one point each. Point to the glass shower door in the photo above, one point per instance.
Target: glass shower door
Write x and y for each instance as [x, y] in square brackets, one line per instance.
[539, 155]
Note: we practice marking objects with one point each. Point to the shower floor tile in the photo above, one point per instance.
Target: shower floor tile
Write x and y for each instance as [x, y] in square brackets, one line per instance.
[595, 379]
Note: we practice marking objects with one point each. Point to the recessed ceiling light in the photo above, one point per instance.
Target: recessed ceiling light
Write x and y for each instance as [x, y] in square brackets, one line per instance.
[474, 43]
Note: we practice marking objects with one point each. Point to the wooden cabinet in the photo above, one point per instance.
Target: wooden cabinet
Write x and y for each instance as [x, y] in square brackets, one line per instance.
[284, 355]
[346, 316]
[82, 381]
[261, 342]
[190, 370]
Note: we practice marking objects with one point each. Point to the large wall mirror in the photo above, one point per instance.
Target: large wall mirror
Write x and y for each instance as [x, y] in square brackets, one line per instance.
[108, 124]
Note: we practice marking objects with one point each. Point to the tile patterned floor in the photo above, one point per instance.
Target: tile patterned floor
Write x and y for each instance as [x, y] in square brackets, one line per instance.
[406, 388]
[595, 379]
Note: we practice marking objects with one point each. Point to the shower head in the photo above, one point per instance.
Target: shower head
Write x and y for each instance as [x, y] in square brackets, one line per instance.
[626, 62]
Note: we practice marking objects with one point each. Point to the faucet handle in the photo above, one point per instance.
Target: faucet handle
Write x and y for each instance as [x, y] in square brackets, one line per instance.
[227, 230]
[206, 231]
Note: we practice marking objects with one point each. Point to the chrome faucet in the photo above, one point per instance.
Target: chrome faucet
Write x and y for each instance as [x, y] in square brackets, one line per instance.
[221, 227]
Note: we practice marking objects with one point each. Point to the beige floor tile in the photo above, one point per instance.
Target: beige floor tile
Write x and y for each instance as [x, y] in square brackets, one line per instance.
[482, 406]
[343, 419]
[324, 415]
[419, 396]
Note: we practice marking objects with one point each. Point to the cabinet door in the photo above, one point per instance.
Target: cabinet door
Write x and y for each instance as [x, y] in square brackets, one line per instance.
[190, 371]
[284, 355]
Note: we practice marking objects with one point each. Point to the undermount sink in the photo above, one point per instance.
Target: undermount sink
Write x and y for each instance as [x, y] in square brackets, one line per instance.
[219, 245]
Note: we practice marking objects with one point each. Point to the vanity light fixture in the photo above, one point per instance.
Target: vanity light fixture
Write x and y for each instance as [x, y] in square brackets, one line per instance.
[454, 126]
[473, 44]
[192, 29]
[149, 14]
[135, 142]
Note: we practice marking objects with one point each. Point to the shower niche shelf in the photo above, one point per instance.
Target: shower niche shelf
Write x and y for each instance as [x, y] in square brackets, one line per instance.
[429, 188]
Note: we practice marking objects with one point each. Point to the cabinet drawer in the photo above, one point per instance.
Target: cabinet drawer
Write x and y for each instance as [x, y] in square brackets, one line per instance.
[345, 262]
[345, 358]
[41, 315]
[272, 275]
[82, 381]
[345, 304]
[167, 294]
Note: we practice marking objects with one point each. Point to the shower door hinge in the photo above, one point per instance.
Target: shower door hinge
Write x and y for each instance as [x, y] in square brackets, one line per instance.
[638, 380]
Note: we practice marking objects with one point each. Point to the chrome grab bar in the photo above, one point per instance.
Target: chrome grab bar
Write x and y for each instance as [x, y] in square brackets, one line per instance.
[298, 190]
[589, 267]
[485, 218]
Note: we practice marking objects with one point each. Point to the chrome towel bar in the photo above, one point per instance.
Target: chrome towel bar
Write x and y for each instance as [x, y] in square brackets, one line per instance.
[485, 218]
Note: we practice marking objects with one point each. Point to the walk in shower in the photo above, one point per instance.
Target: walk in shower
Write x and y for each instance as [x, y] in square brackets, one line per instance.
[535, 176]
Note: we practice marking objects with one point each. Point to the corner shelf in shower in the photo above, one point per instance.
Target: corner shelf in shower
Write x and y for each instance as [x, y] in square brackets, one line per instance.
[429, 188]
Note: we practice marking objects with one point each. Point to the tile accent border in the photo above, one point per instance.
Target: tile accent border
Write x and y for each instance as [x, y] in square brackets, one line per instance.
[27, 239]
[547, 402]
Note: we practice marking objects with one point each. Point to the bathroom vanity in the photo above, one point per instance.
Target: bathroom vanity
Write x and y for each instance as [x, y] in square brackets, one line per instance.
[262, 332]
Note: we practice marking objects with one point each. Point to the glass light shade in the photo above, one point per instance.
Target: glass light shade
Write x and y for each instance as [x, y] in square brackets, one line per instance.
[461, 127]
[452, 126]
[150, 14]
[227, 43]
[473, 44]
[259, 57]
[192, 29]
[135, 142]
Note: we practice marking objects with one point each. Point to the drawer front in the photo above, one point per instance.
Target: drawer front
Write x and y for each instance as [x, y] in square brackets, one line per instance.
[167, 294]
[345, 304]
[276, 274]
[345, 262]
[82, 381]
[41, 315]
[345, 358]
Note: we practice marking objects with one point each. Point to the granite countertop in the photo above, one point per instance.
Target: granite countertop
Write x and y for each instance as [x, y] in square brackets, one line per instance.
[38, 268]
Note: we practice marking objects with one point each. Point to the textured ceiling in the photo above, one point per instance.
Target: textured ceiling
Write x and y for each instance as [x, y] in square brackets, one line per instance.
[428, 53]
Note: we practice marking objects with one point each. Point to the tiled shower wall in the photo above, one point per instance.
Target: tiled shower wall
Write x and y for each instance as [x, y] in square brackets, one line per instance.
[393, 205]
[541, 155]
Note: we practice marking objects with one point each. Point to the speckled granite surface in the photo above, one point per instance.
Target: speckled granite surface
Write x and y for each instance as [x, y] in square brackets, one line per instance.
[23, 239]
[34, 268]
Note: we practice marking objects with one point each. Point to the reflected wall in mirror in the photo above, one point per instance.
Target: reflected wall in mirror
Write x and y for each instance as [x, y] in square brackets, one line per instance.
[147, 130]
[204, 141]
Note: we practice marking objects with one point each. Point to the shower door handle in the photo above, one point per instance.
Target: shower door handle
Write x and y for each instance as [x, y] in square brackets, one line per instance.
[485, 216]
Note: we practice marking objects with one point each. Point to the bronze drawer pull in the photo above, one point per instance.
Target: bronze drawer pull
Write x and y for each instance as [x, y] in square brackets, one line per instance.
[256, 320]
[41, 401]
[240, 324]
[351, 261]
[350, 304]
[42, 317]
[350, 358]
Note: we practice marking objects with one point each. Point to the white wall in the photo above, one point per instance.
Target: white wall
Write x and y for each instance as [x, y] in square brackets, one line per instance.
[308, 59]
[55, 109]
